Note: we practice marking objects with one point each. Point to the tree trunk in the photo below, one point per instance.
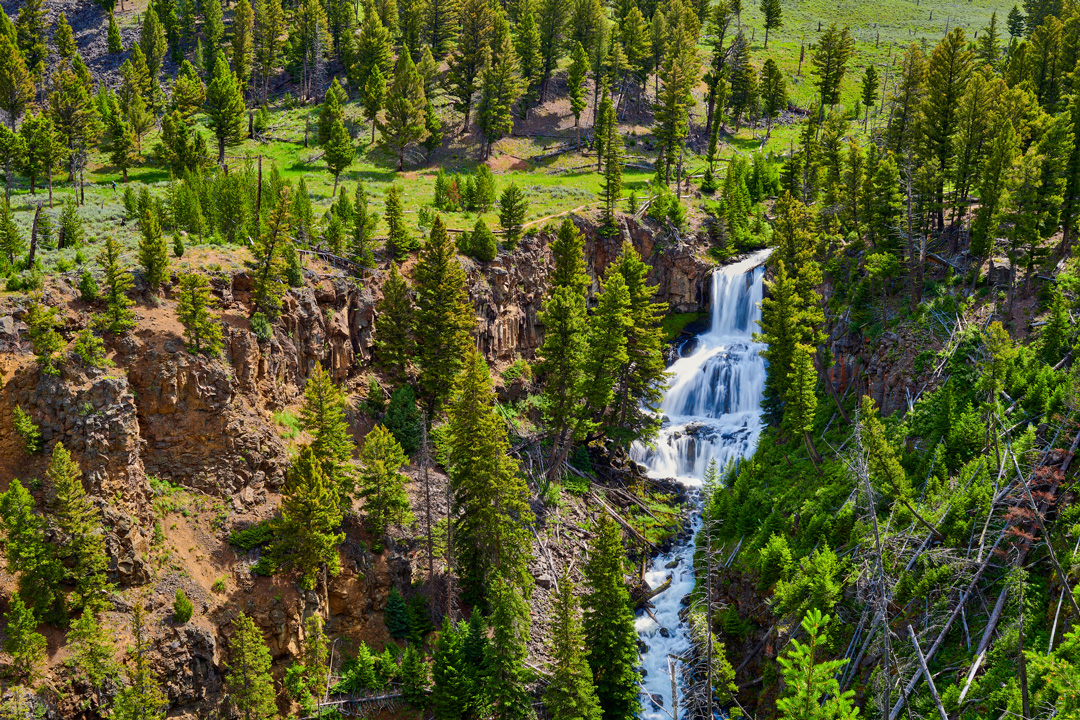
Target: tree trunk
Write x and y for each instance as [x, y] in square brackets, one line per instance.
[221, 151]
[50, 188]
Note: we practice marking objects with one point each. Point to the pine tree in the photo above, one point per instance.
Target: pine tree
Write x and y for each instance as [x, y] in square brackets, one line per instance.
[115, 42]
[450, 690]
[16, 82]
[507, 675]
[306, 540]
[30, 556]
[225, 107]
[399, 241]
[808, 681]
[153, 44]
[46, 341]
[119, 141]
[414, 678]
[374, 50]
[482, 245]
[268, 258]
[338, 151]
[772, 12]
[31, 27]
[527, 44]
[433, 126]
[831, 55]
[610, 139]
[993, 191]
[363, 230]
[562, 352]
[513, 207]
[331, 110]
[248, 680]
[374, 98]
[500, 86]
[575, 83]
[73, 112]
[471, 54]
[93, 652]
[801, 402]
[552, 17]
[269, 27]
[609, 626]
[490, 510]
[570, 694]
[64, 38]
[639, 388]
[243, 42]
[153, 250]
[869, 90]
[394, 345]
[78, 520]
[444, 316]
[773, 91]
[118, 316]
[404, 120]
[323, 417]
[679, 74]
[24, 643]
[142, 698]
[193, 309]
[606, 353]
[381, 484]
[1015, 22]
[44, 149]
[396, 614]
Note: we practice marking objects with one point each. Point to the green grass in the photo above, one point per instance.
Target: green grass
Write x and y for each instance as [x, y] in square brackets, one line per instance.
[289, 423]
[674, 323]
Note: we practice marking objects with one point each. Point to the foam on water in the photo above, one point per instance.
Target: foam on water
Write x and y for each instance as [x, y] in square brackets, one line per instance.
[712, 411]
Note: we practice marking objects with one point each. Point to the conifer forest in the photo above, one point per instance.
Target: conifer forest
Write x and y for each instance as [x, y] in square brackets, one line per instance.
[539, 359]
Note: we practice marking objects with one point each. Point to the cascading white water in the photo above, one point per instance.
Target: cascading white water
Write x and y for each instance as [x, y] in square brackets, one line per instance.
[712, 411]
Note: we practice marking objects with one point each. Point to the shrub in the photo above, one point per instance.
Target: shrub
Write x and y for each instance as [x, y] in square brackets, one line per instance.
[27, 430]
[482, 244]
[375, 400]
[520, 368]
[178, 245]
[182, 607]
[88, 287]
[90, 349]
[261, 327]
[252, 536]
[775, 561]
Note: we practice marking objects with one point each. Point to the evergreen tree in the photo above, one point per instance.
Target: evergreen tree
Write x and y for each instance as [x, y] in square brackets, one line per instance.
[609, 138]
[243, 43]
[374, 50]
[394, 345]
[641, 379]
[248, 680]
[78, 520]
[323, 417]
[24, 643]
[306, 539]
[831, 55]
[29, 555]
[801, 402]
[552, 18]
[575, 83]
[374, 98]
[193, 310]
[1015, 22]
[527, 44]
[404, 119]
[396, 614]
[507, 676]
[363, 230]
[679, 74]
[500, 86]
[381, 484]
[570, 694]
[807, 681]
[513, 207]
[142, 698]
[1054, 340]
[772, 12]
[609, 626]
[562, 352]
[213, 30]
[444, 316]
[489, 498]
[471, 54]
[93, 652]
[46, 341]
[44, 149]
[482, 245]
[118, 316]
[268, 258]
[993, 191]
[16, 81]
[331, 110]
[403, 419]
[119, 141]
[606, 354]
[225, 107]
[31, 27]
[153, 250]
[433, 126]
[269, 27]
[338, 151]
[64, 38]
[399, 241]
[450, 691]
[115, 42]
[73, 113]
[153, 44]
[414, 678]
[869, 90]
[773, 91]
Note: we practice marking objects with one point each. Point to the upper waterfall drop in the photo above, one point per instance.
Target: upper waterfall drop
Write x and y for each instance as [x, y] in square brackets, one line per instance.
[712, 411]
[713, 402]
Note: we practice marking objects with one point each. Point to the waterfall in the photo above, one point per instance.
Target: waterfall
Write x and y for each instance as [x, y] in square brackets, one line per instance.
[712, 411]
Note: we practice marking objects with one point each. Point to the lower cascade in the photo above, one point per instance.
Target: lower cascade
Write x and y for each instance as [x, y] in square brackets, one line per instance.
[712, 411]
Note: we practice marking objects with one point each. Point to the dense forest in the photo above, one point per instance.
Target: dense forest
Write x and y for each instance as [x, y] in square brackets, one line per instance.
[337, 341]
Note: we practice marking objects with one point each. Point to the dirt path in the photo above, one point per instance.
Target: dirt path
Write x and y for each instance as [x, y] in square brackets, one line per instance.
[560, 214]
